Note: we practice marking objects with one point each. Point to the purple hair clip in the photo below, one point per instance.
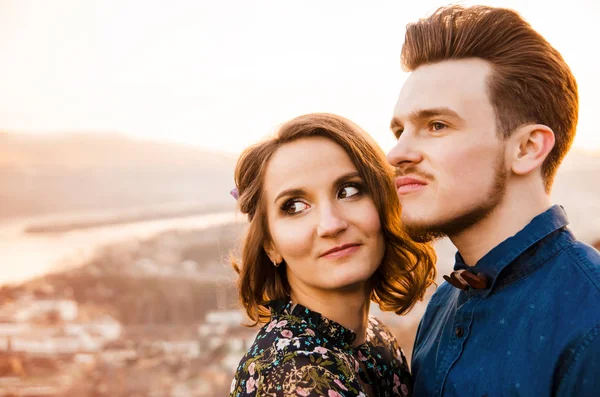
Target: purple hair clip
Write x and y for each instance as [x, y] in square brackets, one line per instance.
[235, 193]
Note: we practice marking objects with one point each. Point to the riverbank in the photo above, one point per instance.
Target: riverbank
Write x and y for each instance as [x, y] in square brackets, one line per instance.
[25, 255]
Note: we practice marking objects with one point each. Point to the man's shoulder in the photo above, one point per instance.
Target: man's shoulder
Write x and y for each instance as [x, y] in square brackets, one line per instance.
[569, 286]
[586, 264]
[442, 295]
[439, 305]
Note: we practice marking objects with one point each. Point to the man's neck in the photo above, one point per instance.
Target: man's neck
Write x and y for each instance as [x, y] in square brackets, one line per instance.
[348, 308]
[506, 220]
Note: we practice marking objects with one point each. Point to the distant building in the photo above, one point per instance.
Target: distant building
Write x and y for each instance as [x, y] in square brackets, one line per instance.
[54, 345]
[232, 318]
[215, 342]
[188, 348]
[206, 330]
[85, 358]
[231, 361]
[104, 327]
[118, 356]
[14, 329]
[67, 310]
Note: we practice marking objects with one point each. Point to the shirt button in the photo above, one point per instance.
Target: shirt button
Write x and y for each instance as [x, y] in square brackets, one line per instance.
[459, 332]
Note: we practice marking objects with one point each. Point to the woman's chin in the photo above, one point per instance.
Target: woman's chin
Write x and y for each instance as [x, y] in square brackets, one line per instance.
[347, 283]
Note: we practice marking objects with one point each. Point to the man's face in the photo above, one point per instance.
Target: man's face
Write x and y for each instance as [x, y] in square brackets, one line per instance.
[449, 158]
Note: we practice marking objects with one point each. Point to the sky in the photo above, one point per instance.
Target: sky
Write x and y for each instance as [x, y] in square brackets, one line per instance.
[222, 75]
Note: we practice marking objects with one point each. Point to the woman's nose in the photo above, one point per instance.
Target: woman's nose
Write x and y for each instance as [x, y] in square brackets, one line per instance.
[331, 221]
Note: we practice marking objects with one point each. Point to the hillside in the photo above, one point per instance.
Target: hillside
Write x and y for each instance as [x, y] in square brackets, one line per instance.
[44, 175]
[577, 188]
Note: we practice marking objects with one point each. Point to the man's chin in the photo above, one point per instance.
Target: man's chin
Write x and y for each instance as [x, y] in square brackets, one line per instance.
[421, 233]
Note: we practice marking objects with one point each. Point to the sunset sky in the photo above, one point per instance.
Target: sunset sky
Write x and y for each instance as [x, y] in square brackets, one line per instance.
[222, 74]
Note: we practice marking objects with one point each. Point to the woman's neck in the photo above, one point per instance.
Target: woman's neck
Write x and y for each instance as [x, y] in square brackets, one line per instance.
[349, 308]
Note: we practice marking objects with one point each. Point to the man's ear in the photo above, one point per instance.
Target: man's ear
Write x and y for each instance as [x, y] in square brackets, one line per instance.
[272, 252]
[529, 146]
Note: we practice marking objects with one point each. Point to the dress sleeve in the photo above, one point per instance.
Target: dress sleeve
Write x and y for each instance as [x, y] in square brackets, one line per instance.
[307, 374]
[244, 381]
[582, 376]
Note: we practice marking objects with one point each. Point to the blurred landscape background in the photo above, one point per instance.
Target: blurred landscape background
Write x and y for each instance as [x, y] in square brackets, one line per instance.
[115, 276]
[120, 125]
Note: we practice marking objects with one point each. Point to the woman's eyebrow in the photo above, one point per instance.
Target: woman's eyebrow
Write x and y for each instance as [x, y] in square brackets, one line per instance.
[346, 177]
[300, 191]
[290, 192]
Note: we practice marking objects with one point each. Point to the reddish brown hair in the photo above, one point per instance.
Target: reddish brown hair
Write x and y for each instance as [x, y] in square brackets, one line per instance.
[530, 82]
[407, 268]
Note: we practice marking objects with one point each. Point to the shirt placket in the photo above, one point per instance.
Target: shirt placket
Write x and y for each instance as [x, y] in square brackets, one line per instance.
[456, 333]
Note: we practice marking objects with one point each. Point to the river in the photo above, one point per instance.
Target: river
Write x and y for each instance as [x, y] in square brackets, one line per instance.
[24, 256]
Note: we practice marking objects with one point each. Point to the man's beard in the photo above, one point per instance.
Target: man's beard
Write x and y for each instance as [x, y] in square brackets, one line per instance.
[426, 233]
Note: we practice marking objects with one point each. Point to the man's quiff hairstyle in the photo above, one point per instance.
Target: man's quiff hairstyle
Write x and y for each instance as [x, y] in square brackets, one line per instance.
[530, 82]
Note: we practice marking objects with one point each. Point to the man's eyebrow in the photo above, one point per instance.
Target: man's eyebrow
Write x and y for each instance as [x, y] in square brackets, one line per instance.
[422, 114]
[395, 124]
[300, 192]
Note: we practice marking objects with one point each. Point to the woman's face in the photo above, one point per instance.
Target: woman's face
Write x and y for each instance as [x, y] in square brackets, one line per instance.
[322, 222]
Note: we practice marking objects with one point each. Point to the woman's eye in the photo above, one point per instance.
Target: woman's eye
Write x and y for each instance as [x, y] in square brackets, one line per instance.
[293, 207]
[436, 126]
[348, 191]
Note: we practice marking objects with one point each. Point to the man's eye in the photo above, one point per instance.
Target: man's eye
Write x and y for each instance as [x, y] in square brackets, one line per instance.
[436, 126]
[348, 191]
[293, 207]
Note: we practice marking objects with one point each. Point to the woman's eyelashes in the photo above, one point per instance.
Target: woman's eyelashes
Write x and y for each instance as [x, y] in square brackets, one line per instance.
[349, 190]
[293, 206]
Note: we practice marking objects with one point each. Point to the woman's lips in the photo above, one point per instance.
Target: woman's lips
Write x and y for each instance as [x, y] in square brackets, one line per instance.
[339, 252]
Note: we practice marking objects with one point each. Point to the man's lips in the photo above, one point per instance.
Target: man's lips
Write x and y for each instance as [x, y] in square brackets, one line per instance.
[407, 184]
[340, 250]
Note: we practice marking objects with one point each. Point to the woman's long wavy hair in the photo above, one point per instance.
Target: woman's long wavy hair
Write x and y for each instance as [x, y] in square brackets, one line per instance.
[407, 268]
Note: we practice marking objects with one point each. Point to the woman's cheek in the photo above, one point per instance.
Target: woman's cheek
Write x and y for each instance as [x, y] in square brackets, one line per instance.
[294, 241]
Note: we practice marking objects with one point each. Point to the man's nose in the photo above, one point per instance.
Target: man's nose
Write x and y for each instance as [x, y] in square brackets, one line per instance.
[406, 151]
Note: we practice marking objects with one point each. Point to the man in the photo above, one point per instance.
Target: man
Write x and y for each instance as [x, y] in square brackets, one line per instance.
[483, 122]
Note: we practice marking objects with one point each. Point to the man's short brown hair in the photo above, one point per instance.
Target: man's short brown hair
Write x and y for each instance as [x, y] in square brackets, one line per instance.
[530, 82]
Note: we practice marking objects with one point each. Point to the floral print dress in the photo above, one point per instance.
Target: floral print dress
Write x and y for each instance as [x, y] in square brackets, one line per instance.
[301, 353]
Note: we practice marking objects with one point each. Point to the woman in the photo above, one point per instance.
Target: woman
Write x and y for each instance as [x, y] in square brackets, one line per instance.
[324, 241]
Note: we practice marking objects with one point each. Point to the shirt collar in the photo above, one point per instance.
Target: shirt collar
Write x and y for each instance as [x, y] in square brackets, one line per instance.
[319, 323]
[507, 252]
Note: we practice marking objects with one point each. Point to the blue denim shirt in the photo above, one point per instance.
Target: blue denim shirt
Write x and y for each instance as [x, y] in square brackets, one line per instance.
[535, 331]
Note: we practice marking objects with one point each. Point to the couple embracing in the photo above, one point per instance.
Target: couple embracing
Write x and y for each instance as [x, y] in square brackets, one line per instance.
[482, 124]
